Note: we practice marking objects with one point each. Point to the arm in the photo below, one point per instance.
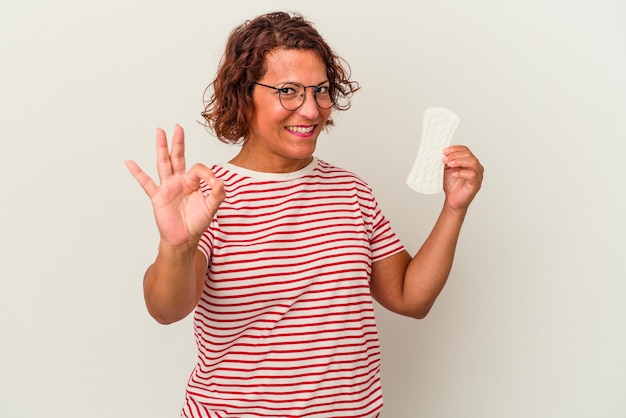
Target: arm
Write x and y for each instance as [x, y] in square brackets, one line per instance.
[410, 285]
[173, 283]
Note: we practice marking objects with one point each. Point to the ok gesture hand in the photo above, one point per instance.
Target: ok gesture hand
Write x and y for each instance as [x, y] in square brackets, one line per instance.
[181, 210]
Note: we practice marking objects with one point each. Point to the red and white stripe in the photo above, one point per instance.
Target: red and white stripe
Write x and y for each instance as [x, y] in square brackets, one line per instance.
[285, 326]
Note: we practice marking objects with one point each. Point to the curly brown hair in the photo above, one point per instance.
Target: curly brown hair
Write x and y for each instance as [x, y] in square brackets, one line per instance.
[229, 110]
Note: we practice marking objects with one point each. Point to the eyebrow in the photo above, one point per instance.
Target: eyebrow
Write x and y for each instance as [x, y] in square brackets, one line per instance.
[312, 85]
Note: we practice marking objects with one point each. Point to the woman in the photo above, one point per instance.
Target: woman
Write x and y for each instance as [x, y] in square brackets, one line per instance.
[280, 253]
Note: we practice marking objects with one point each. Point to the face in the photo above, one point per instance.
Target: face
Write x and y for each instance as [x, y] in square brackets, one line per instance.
[281, 140]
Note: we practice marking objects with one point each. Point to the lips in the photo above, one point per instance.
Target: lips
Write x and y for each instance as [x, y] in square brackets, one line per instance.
[301, 129]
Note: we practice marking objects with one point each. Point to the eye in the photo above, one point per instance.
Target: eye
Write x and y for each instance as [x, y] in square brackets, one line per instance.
[287, 90]
[290, 90]
[322, 90]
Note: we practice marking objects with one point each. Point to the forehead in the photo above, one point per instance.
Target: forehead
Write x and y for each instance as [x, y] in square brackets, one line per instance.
[303, 66]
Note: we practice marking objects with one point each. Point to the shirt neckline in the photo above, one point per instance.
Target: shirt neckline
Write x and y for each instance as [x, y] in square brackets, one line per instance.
[261, 175]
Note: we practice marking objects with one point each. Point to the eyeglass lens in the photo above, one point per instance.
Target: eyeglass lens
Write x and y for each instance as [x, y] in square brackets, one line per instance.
[292, 95]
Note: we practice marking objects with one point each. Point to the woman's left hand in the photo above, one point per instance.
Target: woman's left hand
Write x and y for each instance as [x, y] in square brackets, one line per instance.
[462, 178]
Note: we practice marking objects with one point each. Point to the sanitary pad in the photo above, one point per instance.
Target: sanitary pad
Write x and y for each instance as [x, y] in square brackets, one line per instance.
[426, 175]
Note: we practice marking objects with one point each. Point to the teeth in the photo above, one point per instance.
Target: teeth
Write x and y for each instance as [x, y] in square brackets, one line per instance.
[301, 129]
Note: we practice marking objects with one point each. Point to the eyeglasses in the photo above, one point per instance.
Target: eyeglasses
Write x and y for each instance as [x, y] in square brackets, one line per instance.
[292, 95]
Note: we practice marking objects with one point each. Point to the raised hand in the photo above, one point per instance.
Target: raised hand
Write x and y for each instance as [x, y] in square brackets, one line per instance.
[181, 210]
[463, 176]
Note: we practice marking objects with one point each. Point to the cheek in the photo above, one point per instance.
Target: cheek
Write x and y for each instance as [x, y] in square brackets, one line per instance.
[268, 116]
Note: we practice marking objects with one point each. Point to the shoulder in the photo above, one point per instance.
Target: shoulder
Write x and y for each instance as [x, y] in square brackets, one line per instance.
[330, 171]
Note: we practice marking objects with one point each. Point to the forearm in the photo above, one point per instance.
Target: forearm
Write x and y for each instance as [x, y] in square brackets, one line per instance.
[170, 284]
[428, 271]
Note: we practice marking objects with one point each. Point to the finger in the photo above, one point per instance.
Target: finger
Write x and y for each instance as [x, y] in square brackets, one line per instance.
[199, 172]
[470, 173]
[456, 151]
[142, 178]
[455, 148]
[217, 190]
[472, 179]
[177, 156]
[461, 157]
[164, 163]
[468, 163]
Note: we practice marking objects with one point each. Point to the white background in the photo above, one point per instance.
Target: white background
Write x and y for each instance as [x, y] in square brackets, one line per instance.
[532, 322]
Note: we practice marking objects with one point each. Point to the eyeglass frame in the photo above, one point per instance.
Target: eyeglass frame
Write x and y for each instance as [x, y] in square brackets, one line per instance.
[278, 89]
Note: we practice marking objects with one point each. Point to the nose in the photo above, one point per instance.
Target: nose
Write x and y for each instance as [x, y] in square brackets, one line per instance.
[309, 108]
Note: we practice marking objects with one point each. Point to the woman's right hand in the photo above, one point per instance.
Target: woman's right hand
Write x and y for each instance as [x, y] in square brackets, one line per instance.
[181, 210]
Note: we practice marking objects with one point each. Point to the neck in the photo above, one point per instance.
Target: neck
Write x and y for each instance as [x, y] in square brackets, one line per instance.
[268, 164]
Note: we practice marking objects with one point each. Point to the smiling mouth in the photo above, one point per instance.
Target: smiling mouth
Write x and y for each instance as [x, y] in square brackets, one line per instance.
[301, 129]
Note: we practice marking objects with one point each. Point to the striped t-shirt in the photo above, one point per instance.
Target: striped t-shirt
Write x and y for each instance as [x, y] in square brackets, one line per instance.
[285, 326]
